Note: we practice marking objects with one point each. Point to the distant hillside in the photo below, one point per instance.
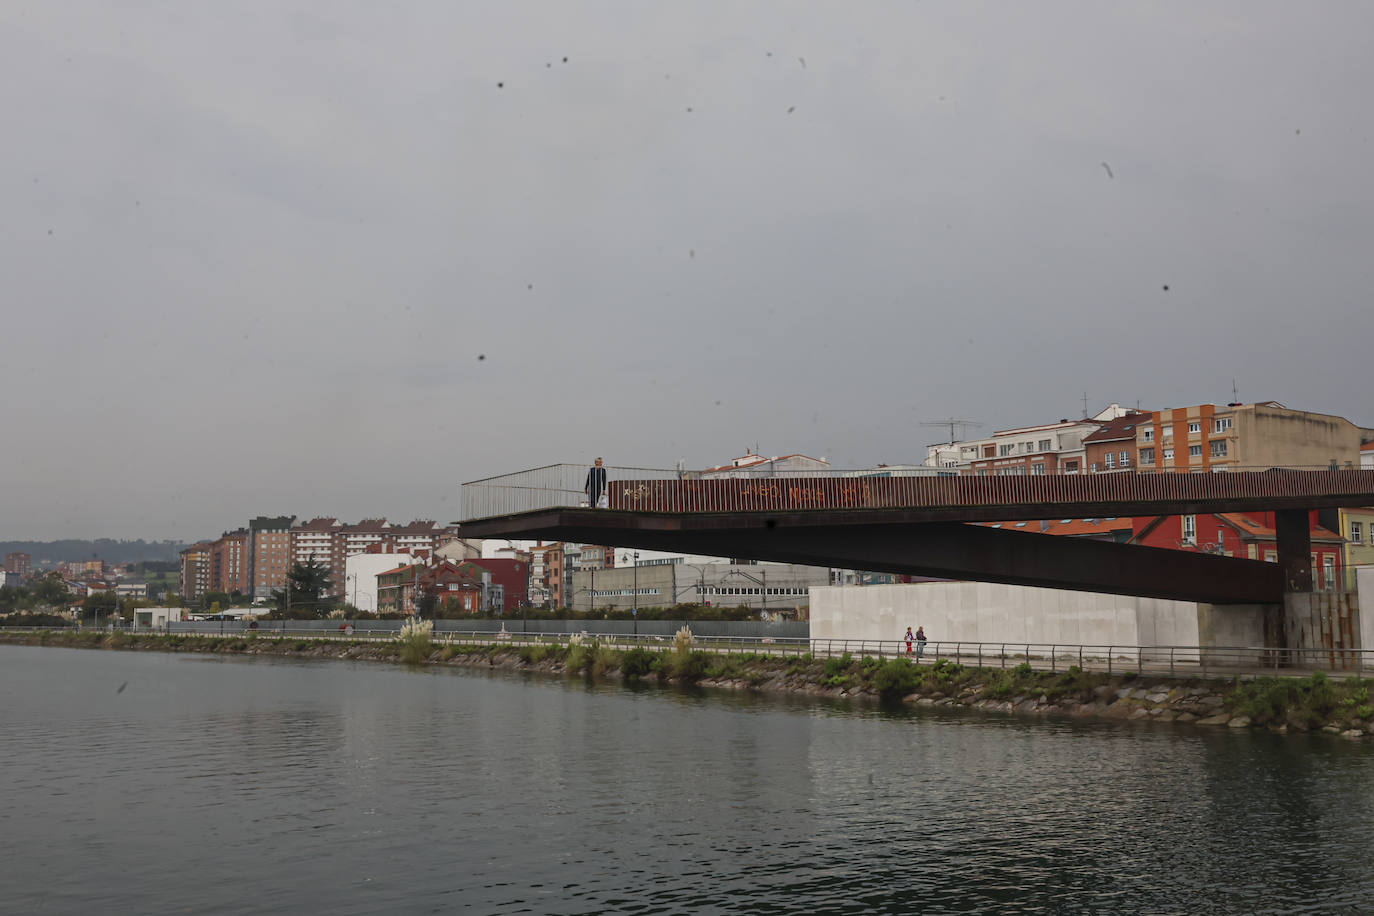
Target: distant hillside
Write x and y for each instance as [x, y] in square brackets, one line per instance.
[107, 549]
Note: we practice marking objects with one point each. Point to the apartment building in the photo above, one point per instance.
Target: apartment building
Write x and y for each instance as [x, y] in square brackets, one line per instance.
[269, 553]
[317, 540]
[1112, 447]
[1356, 527]
[509, 579]
[229, 563]
[539, 590]
[19, 564]
[195, 570]
[421, 534]
[1207, 437]
[329, 543]
[454, 587]
[1249, 535]
[1049, 448]
[596, 557]
[83, 569]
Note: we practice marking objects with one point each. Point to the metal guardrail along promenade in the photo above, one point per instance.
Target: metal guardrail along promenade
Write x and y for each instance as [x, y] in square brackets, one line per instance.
[742, 490]
[1159, 661]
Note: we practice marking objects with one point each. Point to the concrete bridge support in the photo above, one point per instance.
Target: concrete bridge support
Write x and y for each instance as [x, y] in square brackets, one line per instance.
[1293, 534]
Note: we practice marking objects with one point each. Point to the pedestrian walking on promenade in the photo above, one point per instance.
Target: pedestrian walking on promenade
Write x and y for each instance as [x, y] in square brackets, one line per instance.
[920, 642]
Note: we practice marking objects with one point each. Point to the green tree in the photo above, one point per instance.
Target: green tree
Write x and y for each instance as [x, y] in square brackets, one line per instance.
[306, 584]
[50, 591]
[99, 604]
[209, 598]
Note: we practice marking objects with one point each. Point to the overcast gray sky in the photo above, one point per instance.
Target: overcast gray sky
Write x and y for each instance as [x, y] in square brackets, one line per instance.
[254, 253]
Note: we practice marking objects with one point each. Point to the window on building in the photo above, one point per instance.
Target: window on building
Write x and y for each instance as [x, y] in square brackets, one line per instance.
[1219, 449]
[1168, 454]
[1124, 459]
[1194, 426]
[1029, 447]
[1329, 573]
[1356, 533]
[1194, 451]
[1221, 424]
[1044, 445]
[1190, 529]
[1005, 449]
[1071, 467]
[1093, 467]
[1149, 434]
[1038, 470]
[1109, 461]
[1147, 456]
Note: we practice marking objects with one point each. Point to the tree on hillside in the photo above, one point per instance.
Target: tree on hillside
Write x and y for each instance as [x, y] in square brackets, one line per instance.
[306, 583]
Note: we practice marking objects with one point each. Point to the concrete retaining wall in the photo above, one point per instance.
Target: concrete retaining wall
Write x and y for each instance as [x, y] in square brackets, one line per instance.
[703, 628]
[1364, 585]
[1230, 625]
[988, 612]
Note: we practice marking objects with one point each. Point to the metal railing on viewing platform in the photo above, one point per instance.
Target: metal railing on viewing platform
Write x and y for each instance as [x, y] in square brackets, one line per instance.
[763, 489]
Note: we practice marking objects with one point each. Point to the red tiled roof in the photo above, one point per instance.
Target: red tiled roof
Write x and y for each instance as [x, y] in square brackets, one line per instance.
[1070, 527]
[318, 524]
[1248, 526]
[391, 572]
[419, 526]
[1120, 428]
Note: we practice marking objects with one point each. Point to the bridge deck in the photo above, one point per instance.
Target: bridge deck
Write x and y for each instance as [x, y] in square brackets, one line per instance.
[911, 499]
[914, 525]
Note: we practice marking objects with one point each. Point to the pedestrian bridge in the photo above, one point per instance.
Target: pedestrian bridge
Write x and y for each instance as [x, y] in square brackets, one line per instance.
[912, 521]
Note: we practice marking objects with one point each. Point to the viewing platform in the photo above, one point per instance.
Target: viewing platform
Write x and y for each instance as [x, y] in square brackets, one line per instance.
[918, 494]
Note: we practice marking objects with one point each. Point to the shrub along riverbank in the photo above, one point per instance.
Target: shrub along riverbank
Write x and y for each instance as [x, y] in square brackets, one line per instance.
[1280, 704]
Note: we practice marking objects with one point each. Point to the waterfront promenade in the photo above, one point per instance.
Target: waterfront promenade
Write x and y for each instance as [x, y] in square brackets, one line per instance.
[1152, 660]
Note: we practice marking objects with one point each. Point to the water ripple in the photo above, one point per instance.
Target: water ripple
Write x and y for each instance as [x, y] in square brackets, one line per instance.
[265, 786]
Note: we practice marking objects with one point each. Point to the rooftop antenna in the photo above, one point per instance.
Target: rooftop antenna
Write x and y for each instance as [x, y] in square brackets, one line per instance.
[1085, 405]
[952, 423]
[1235, 393]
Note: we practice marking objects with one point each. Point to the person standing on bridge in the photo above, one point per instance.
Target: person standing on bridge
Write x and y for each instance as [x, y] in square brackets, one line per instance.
[908, 639]
[595, 488]
[920, 642]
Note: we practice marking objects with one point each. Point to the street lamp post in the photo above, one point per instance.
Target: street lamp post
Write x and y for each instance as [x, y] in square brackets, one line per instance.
[762, 583]
[634, 606]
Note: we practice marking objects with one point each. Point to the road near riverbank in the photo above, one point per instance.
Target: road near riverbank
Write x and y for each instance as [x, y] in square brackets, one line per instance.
[1280, 704]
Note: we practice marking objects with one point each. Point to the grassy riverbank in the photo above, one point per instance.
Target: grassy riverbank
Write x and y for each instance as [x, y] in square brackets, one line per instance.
[1280, 704]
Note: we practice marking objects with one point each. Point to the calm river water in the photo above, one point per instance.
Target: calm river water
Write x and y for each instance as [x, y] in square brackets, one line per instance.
[209, 785]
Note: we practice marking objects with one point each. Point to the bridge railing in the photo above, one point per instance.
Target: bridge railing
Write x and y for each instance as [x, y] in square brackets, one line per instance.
[554, 486]
[558, 486]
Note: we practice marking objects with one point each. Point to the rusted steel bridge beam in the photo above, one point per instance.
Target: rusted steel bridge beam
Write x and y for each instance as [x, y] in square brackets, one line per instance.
[940, 549]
